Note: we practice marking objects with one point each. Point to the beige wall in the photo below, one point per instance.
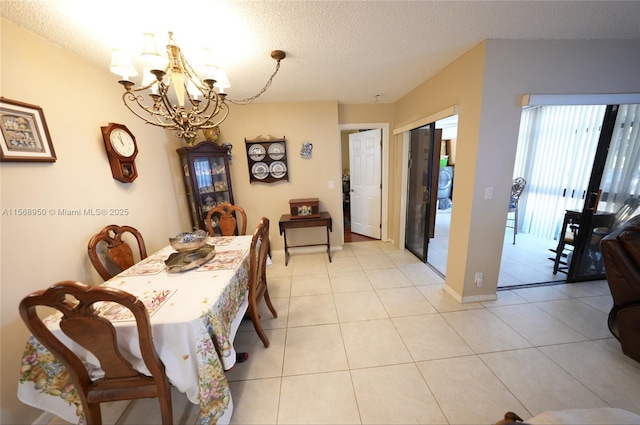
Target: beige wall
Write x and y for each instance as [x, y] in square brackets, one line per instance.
[366, 113]
[460, 83]
[78, 98]
[316, 123]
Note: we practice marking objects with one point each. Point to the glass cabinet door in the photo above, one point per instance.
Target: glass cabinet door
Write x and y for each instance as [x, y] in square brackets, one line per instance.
[207, 179]
[212, 182]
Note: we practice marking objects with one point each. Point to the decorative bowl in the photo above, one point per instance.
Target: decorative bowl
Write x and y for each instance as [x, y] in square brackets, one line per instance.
[189, 241]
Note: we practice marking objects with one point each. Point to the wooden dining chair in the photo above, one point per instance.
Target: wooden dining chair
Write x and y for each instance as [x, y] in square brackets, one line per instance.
[82, 323]
[599, 231]
[119, 253]
[258, 277]
[226, 215]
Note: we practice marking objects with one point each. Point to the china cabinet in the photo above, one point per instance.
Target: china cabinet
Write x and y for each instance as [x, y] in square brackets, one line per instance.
[207, 179]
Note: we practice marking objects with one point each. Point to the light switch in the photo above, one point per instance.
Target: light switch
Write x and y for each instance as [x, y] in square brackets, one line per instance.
[331, 185]
[488, 193]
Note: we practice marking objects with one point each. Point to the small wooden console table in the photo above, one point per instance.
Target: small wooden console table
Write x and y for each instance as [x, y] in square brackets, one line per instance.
[286, 222]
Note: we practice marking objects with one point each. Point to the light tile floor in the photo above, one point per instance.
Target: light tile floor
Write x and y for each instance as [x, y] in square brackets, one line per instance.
[525, 262]
[371, 338]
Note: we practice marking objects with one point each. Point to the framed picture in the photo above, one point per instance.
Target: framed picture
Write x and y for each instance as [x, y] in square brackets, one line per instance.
[24, 135]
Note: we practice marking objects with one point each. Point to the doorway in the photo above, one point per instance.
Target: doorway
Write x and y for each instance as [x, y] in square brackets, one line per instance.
[365, 182]
[383, 163]
[595, 151]
[423, 190]
[429, 194]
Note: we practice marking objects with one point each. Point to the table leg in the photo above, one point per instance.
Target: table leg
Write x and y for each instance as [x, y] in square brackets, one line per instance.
[286, 248]
[561, 244]
[328, 245]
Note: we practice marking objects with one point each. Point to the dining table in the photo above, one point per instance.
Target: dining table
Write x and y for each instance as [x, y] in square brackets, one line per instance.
[194, 314]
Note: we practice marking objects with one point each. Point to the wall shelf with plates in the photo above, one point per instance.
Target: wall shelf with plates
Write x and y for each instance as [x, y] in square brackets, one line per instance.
[267, 160]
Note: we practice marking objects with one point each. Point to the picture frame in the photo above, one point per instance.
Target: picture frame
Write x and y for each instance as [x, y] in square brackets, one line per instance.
[24, 135]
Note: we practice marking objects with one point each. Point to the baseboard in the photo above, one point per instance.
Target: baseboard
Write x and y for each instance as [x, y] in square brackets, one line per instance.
[468, 299]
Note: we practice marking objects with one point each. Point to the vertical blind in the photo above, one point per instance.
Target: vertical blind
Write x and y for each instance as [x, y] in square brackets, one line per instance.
[556, 149]
[622, 168]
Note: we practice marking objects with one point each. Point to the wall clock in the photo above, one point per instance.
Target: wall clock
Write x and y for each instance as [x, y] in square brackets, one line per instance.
[121, 151]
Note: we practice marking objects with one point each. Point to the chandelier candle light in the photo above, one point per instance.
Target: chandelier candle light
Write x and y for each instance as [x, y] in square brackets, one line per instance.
[180, 109]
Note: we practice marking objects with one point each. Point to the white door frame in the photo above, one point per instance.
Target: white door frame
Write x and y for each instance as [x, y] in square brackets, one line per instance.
[385, 169]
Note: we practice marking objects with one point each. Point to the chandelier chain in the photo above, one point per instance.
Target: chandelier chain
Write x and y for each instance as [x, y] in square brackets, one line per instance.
[248, 100]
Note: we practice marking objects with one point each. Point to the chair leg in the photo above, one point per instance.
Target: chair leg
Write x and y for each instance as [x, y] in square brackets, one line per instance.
[92, 413]
[166, 409]
[255, 318]
[267, 299]
[515, 226]
[559, 250]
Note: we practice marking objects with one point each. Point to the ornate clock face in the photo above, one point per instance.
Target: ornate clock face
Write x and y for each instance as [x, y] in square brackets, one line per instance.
[122, 142]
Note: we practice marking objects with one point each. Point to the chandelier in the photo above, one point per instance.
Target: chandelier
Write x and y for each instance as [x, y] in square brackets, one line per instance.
[180, 98]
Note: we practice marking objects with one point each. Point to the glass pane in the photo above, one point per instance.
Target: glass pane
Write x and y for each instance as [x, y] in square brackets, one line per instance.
[618, 200]
[203, 175]
[418, 191]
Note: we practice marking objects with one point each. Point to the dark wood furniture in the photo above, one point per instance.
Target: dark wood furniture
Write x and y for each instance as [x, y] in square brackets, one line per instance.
[121, 150]
[207, 179]
[602, 224]
[571, 221]
[223, 217]
[621, 256]
[118, 251]
[304, 208]
[81, 323]
[258, 277]
[287, 222]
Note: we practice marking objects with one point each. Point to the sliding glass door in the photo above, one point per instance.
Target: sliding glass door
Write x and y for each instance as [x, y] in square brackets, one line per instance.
[580, 162]
[424, 158]
[613, 189]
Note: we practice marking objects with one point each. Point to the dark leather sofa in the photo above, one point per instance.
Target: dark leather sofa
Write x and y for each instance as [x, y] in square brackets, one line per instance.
[621, 255]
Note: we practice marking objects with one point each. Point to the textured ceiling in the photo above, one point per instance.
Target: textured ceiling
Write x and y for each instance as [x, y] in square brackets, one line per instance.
[345, 51]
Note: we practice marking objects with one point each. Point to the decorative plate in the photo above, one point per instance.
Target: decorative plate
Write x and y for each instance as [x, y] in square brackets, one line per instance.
[276, 151]
[257, 152]
[278, 169]
[260, 170]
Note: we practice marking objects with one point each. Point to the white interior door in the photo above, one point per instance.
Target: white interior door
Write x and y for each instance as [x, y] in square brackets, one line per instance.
[366, 177]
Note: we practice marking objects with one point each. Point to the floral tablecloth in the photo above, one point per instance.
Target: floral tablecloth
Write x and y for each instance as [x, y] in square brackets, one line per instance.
[194, 319]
